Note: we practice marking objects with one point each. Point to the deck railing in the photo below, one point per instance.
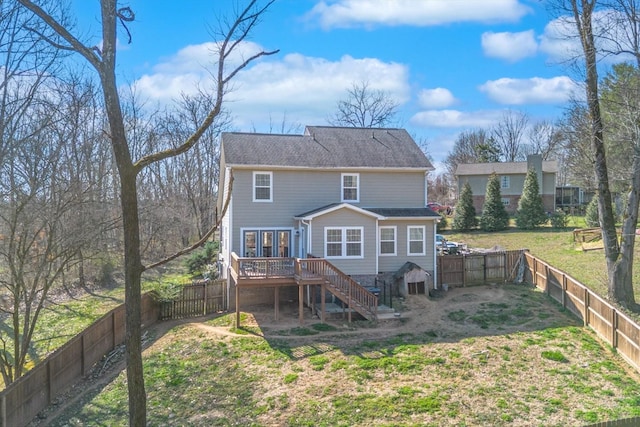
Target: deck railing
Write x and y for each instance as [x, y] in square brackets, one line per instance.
[263, 267]
[351, 292]
[338, 283]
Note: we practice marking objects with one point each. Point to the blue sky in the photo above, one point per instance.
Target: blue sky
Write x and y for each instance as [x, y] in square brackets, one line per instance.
[452, 65]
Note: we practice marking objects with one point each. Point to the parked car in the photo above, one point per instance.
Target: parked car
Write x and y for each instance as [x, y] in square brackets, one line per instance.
[445, 246]
[441, 209]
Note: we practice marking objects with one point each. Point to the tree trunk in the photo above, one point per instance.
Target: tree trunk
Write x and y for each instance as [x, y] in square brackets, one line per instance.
[131, 228]
[618, 265]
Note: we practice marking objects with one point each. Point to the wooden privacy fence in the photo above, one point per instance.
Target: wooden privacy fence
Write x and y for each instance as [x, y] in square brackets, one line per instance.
[23, 399]
[478, 268]
[198, 299]
[614, 327]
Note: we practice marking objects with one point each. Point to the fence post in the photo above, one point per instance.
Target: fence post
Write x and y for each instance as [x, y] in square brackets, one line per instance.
[586, 305]
[564, 290]
[546, 279]
[614, 328]
[206, 284]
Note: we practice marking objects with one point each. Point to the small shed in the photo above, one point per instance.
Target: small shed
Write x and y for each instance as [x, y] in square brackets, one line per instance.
[411, 279]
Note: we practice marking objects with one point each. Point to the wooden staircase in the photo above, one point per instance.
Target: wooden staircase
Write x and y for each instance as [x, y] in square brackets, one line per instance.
[344, 287]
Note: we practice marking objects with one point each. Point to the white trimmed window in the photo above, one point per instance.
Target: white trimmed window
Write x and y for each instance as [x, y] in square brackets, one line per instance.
[416, 240]
[505, 182]
[350, 187]
[262, 186]
[343, 242]
[506, 201]
[387, 241]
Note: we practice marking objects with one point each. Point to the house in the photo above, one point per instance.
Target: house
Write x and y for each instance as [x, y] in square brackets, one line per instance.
[335, 204]
[511, 175]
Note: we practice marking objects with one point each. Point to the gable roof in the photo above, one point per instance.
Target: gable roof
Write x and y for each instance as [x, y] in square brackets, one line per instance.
[502, 168]
[379, 213]
[334, 207]
[326, 147]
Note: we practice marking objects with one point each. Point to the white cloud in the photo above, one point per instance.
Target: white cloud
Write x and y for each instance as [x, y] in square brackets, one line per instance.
[509, 46]
[304, 88]
[436, 98]
[535, 90]
[561, 43]
[423, 13]
[456, 119]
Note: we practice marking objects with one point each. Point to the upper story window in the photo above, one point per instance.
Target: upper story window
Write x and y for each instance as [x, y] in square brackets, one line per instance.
[416, 240]
[504, 182]
[350, 187]
[343, 242]
[388, 240]
[262, 186]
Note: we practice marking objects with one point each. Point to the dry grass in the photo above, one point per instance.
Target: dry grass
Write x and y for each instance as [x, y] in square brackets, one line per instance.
[491, 355]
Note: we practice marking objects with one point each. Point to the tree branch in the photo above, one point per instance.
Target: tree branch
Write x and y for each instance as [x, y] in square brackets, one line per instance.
[204, 238]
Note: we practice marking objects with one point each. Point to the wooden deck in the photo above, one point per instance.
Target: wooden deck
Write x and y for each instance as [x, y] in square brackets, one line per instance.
[301, 272]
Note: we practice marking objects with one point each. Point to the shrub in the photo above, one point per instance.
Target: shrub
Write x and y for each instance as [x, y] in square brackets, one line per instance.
[201, 258]
[494, 215]
[559, 219]
[464, 217]
[530, 213]
[591, 215]
[443, 222]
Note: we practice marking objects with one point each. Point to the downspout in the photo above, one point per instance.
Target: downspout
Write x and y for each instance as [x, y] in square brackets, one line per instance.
[229, 232]
[435, 255]
[426, 188]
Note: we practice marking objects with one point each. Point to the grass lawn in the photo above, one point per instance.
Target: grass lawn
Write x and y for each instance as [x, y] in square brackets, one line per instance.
[509, 356]
[556, 248]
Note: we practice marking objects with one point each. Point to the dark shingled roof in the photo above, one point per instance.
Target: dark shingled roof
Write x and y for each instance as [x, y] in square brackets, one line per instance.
[326, 147]
[404, 212]
[502, 168]
[407, 267]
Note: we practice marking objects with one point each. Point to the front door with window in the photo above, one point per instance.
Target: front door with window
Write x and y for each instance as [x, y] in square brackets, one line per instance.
[267, 243]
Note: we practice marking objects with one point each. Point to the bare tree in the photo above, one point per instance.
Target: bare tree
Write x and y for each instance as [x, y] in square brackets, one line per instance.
[33, 247]
[508, 134]
[544, 139]
[619, 254]
[475, 146]
[576, 156]
[104, 62]
[365, 107]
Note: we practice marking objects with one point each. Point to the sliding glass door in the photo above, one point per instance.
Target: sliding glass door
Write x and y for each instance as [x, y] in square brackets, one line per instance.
[267, 243]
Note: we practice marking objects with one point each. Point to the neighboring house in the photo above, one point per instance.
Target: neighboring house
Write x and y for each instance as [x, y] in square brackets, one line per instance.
[355, 197]
[511, 175]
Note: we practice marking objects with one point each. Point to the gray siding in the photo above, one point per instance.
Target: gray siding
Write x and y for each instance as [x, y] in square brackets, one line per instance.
[393, 263]
[299, 191]
[347, 218]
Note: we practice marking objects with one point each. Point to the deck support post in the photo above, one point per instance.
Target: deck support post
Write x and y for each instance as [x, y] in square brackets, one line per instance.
[301, 303]
[276, 297]
[323, 301]
[237, 306]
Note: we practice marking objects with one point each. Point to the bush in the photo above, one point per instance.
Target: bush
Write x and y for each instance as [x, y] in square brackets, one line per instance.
[530, 212]
[199, 260]
[591, 215]
[464, 217]
[559, 219]
[494, 215]
[443, 222]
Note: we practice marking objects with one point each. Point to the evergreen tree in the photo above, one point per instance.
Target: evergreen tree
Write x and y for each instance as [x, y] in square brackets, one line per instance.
[464, 217]
[591, 215]
[530, 213]
[494, 215]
